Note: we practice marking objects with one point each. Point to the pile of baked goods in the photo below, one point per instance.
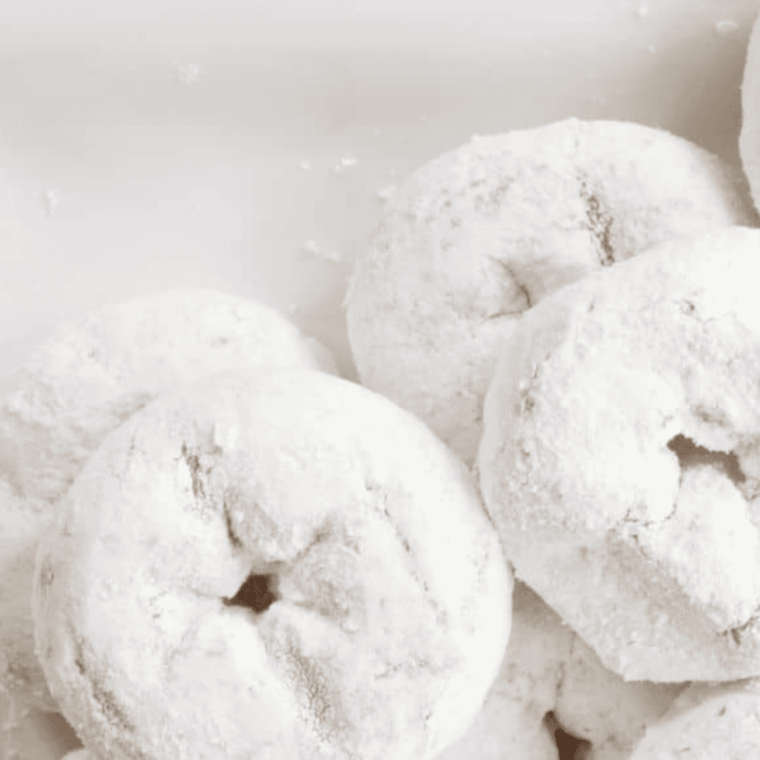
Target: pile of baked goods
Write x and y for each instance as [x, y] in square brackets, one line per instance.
[532, 531]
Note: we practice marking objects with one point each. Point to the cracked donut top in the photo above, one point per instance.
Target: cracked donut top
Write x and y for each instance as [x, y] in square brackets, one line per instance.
[83, 382]
[96, 370]
[283, 564]
[622, 440]
[482, 233]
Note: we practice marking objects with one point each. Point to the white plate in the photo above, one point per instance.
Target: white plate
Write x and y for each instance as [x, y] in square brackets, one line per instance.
[154, 144]
[238, 144]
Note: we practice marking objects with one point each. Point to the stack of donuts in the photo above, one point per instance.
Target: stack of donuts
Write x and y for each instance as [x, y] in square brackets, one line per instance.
[531, 531]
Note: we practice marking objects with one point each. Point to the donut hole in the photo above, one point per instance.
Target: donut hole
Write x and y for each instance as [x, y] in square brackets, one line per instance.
[569, 747]
[258, 593]
[691, 454]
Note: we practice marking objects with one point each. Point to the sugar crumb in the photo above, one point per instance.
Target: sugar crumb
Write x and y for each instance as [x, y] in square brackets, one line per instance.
[51, 200]
[313, 248]
[345, 163]
[727, 28]
[386, 193]
[186, 73]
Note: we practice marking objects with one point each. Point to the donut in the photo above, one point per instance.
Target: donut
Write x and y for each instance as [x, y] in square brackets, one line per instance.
[706, 722]
[481, 234]
[271, 565]
[619, 459]
[512, 723]
[611, 715]
[83, 382]
[749, 137]
[553, 691]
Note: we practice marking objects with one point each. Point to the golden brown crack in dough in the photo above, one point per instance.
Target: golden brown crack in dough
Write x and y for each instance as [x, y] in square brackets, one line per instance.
[141, 626]
[482, 233]
[652, 560]
[82, 383]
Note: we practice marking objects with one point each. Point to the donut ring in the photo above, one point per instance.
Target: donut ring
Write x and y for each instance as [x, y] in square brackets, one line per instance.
[621, 458]
[511, 723]
[707, 721]
[550, 675]
[598, 706]
[83, 382]
[386, 598]
[480, 234]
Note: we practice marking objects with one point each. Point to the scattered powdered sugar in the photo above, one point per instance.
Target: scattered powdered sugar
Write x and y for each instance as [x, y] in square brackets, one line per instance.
[51, 200]
[386, 193]
[313, 248]
[345, 163]
[727, 28]
[186, 73]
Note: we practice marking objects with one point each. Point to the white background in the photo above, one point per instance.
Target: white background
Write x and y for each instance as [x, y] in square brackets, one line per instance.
[151, 144]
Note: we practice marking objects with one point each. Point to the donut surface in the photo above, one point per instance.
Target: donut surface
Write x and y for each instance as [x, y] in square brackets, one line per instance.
[383, 607]
[707, 722]
[550, 676]
[83, 382]
[511, 722]
[598, 706]
[621, 458]
[477, 236]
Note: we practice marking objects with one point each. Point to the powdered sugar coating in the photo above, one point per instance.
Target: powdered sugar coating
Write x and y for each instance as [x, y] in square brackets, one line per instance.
[83, 382]
[511, 723]
[548, 668]
[707, 721]
[597, 705]
[602, 388]
[477, 236]
[393, 603]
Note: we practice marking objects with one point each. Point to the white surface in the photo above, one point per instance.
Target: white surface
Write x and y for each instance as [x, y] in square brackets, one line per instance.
[152, 143]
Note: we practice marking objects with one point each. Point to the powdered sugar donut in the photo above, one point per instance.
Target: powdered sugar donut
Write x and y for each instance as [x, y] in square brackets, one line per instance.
[707, 722]
[90, 376]
[620, 458]
[479, 235]
[597, 705]
[511, 723]
[550, 677]
[274, 565]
